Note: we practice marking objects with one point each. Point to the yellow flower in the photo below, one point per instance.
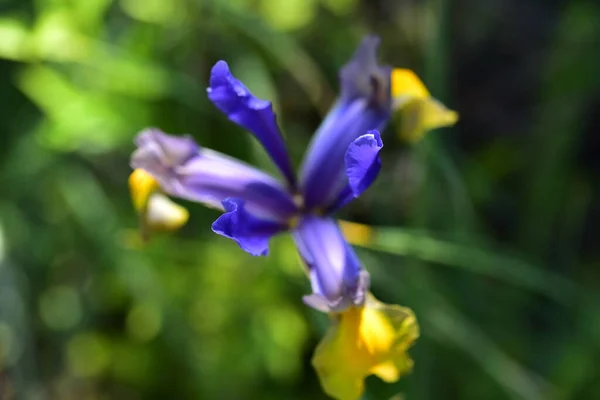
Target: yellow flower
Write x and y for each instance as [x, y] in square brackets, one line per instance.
[141, 186]
[419, 112]
[357, 234]
[156, 211]
[368, 340]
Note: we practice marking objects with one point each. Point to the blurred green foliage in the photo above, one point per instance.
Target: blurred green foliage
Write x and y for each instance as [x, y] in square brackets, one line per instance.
[509, 199]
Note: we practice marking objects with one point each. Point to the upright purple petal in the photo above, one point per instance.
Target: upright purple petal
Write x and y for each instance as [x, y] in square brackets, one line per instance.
[363, 77]
[336, 276]
[184, 170]
[364, 105]
[251, 234]
[242, 107]
[362, 166]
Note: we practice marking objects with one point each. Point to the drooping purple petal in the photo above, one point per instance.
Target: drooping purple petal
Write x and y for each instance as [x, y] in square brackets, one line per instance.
[364, 105]
[362, 166]
[250, 233]
[184, 170]
[336, 276]
[242, 107]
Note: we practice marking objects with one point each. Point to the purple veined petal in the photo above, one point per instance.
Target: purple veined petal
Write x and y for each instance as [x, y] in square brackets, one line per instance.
[184, 170]
[254, 114]
[364, 105]
[336, 276]
[362, 167]
[252, 234]
[323, 174]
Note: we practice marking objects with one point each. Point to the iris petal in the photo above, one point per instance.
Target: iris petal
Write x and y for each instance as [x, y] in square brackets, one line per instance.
[362, 166]
[363, 77]
[158, 154]
[418, 116]
[335, 273]
[363, 162]
[141, 186]
[242, 107]
[405, 83]
[184, 170]
[156, 211]
[250, 233]
[364, 105]
[368, 340]
[417, 110]
[162, 214]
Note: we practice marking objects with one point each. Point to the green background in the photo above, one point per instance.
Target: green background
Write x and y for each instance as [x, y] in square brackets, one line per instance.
[490, 234]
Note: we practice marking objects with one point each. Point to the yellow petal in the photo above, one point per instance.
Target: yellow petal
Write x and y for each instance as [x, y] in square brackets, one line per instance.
[362, 341]
[406, 84]
[141, 185]
[156, 211]
[355, 233]
[418, 116]
[164, 214]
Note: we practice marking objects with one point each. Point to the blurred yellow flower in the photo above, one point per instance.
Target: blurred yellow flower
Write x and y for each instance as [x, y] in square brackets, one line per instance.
[418, 111]
[156, 211]
[357, 234]
[141, 185]
[368, 340]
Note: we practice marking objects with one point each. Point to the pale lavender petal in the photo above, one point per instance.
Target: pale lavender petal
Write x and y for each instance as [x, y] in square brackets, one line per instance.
[186, 171]
[158, 153]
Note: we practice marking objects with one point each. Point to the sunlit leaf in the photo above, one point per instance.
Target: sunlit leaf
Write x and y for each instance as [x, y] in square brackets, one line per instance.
[288, 15]
[13, 39]
[340, 7]
[170, 12]
[56, 37]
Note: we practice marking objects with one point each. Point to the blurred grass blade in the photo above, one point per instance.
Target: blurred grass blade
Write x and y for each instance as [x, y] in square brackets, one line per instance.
[570, 82]
[285, 51]
[447, 325]
[461, 204]
[469, 258]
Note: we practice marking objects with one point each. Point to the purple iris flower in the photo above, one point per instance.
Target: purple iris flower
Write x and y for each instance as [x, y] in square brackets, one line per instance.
[364, 104]
[342, 161]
